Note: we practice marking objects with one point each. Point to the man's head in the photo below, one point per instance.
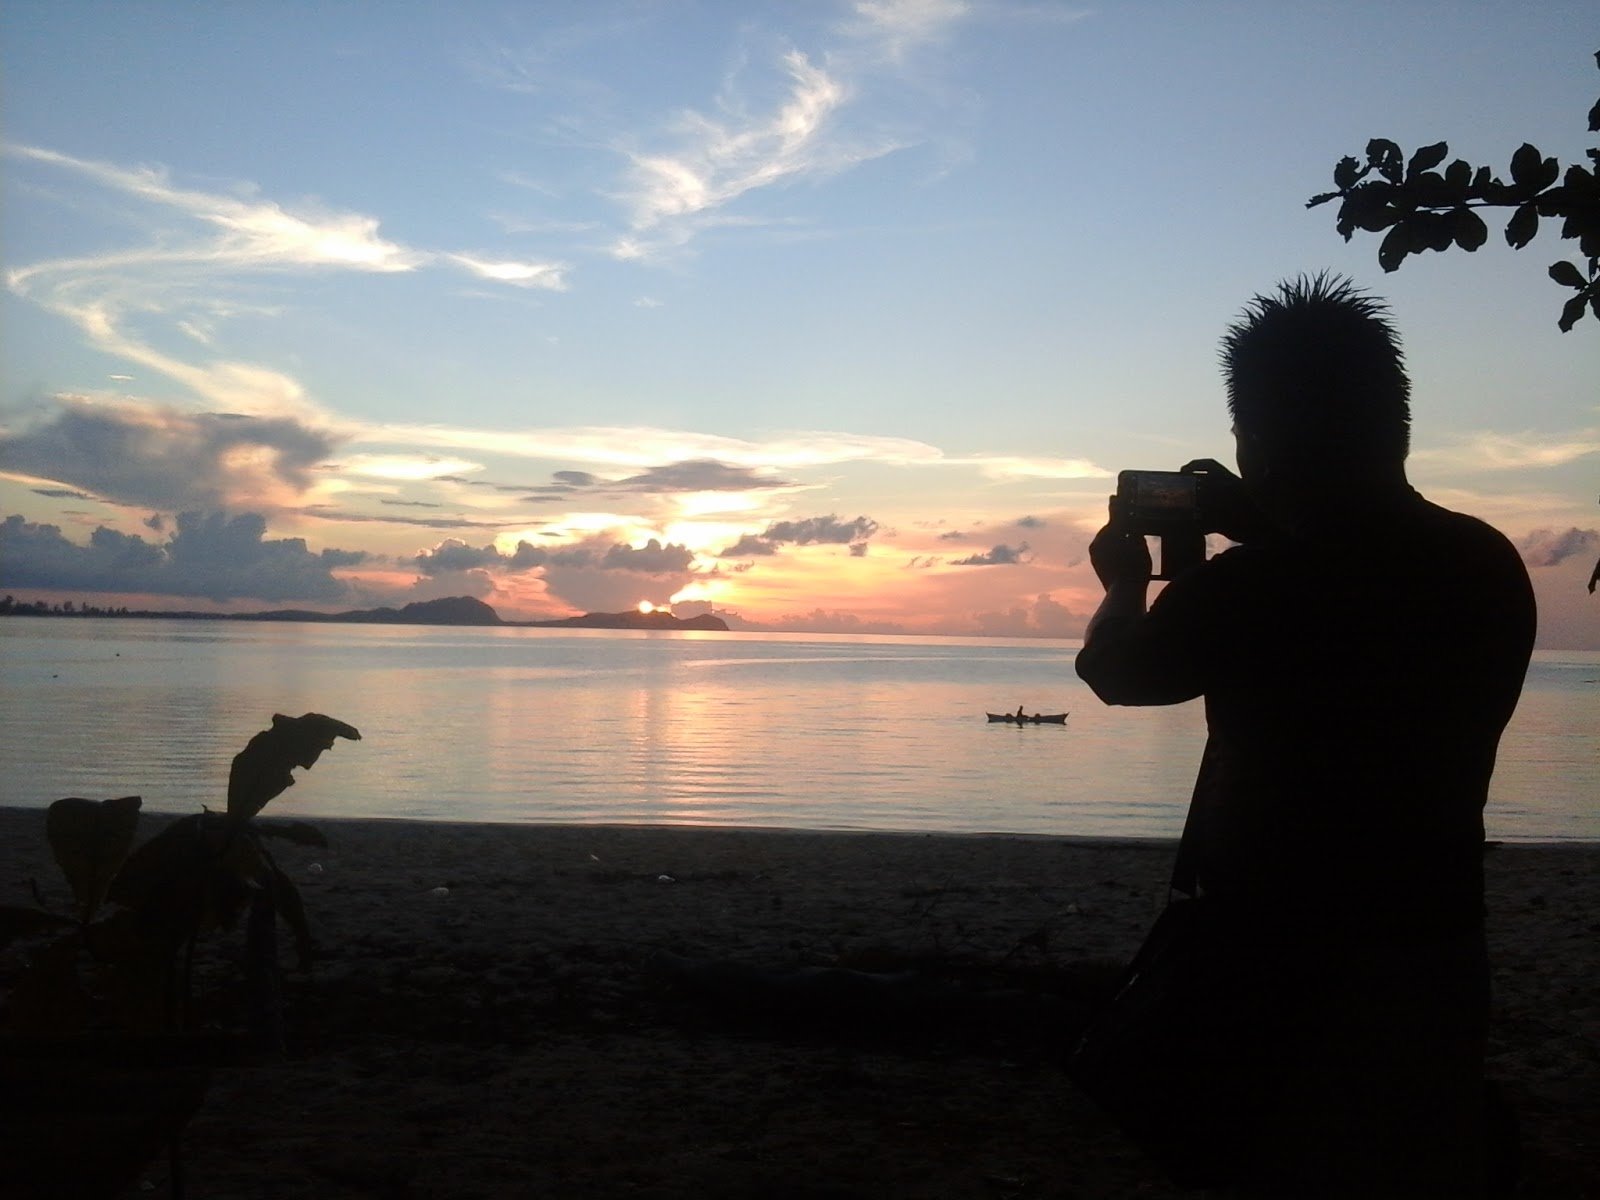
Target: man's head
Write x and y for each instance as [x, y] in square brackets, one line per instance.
[1316, 380]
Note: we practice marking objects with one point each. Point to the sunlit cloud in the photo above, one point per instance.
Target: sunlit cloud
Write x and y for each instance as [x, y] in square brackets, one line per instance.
[811, 531]
[1493, 451]
[900, 25]
[402, 466]
[250, 232]
[673, 193]
[1001, 555]
[1547, 547]
[200, 244]
[547, 276]
[1006, 467]
[647, 446]
[212, 555]
[165, 458]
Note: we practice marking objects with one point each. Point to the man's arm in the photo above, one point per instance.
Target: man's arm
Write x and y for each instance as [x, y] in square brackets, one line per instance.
[1121, 661]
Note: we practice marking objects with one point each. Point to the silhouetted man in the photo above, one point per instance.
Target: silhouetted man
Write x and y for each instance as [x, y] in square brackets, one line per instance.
[1359, 654]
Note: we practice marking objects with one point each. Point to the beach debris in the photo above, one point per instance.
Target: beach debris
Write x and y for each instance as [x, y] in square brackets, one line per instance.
[665, 879]
[440, 891]
[315, 868]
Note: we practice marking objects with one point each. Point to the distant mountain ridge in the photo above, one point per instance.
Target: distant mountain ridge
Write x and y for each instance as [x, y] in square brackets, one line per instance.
[468, 610]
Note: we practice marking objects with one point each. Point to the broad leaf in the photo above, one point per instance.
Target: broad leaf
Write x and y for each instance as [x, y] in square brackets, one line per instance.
[1385, 157]
[1469, 229]
[167, 879]
[1347, 174]
[1426, 158]
[1567, 274]
[1525, 165]
[1395, 246]
[262, 769]
[1571, 313]
[90, 839]
[1523, 225]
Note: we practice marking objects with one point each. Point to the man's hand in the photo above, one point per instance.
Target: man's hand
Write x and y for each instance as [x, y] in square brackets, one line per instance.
[1118, 556]
[1226, 503]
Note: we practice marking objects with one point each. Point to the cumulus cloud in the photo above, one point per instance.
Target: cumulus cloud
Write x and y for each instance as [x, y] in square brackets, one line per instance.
[135, 454]
[1001, 555]
[1546, 547]
[1045, 617]
[596, 574]
[828, 530]
[214, 555]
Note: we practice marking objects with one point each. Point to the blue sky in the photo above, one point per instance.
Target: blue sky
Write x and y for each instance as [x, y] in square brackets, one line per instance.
[833, 316]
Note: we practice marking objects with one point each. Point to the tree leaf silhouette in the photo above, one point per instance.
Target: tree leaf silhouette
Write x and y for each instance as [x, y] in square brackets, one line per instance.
[262, 770]
[90, 839]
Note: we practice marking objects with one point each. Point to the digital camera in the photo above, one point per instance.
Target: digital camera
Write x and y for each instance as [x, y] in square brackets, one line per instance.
[1167, 505]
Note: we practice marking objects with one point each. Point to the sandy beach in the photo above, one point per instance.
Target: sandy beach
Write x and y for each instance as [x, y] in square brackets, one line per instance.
[583, 1011]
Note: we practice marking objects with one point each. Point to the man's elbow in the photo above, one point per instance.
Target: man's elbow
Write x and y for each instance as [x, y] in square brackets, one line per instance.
[1117, 680]
[1105, 679]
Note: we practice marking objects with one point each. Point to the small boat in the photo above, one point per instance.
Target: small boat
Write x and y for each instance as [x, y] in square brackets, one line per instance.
[1024, 719]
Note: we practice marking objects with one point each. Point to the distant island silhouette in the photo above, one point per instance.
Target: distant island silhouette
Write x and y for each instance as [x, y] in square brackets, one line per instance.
[450, 610]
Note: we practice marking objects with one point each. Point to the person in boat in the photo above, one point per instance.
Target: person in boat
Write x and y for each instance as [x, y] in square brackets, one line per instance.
[1359, 653]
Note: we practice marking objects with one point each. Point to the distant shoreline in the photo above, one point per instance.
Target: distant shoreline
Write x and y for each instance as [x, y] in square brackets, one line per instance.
[451, 610]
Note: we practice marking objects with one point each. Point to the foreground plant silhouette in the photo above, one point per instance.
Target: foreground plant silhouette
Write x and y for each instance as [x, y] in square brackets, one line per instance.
[113, 990]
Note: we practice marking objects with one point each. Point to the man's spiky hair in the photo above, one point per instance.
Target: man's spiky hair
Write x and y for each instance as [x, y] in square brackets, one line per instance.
[1315, 369]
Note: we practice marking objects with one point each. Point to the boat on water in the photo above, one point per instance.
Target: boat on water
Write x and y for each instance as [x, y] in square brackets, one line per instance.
[1018, 718]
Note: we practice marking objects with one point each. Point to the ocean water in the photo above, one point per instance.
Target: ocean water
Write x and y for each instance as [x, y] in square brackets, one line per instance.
[795, 730]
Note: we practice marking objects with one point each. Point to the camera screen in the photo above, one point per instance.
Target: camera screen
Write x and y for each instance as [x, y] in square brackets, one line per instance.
[1159, 494]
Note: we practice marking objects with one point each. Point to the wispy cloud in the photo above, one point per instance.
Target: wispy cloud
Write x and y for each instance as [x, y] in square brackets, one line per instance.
[548, 276]
[1492, 451]
[717, 159]
[200, 246]
[648, 447]
[898, 26]
[249, 233]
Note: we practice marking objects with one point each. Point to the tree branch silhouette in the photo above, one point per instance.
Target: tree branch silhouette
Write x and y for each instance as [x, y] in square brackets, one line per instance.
[1422, 208]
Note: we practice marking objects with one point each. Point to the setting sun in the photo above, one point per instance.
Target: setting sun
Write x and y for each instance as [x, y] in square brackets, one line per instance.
[646, 607]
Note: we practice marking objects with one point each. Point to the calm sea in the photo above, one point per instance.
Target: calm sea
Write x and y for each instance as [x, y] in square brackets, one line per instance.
[798, 730]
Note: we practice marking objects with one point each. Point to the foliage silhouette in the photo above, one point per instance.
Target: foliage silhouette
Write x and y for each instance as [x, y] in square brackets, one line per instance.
[131, 970]
[1423, 208]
